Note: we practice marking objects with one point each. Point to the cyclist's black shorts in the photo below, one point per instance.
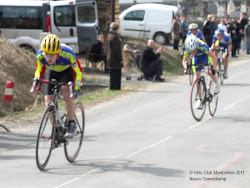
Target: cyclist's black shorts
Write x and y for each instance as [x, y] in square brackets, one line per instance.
[64, 76]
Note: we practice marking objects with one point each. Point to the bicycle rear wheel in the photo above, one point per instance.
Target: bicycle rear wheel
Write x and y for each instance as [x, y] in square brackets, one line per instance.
[213, 99]
[45, 138]
[73, 145]
[198, 92]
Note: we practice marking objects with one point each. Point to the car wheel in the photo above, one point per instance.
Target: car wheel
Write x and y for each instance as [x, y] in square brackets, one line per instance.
[160, 38]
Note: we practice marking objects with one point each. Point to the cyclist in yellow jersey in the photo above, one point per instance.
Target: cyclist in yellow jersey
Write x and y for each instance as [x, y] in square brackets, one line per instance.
[63, 66]
[201, 55]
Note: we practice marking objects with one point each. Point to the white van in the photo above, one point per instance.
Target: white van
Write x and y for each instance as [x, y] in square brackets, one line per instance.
[148, 21]
[74, 21]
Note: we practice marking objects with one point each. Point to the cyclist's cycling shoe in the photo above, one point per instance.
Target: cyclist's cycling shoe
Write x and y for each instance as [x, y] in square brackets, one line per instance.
[217, 89]
[71, 130]
[198, 104]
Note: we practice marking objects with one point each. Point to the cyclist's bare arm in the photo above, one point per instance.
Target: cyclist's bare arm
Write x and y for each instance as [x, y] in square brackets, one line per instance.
[211, 54]
[184, 61]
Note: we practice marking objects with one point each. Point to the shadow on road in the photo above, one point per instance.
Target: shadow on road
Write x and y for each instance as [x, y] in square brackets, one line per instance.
[118, 166]
[235, 85]
[13, 141]
[236, 119]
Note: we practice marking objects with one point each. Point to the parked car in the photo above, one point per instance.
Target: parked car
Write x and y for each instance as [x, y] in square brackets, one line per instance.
[148, 21]
[74, 22]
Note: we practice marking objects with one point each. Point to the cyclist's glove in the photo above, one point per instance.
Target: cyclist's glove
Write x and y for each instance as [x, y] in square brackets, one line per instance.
[213, 71]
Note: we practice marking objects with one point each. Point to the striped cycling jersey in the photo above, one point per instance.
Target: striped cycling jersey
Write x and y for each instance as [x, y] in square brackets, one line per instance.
[202, 49]
[66, 59]
[198, 34]
[224, 42]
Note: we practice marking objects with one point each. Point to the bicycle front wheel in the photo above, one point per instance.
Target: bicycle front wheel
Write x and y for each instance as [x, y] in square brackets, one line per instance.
[198, 99]
[45, 138]
[213, 99]
[73, 145]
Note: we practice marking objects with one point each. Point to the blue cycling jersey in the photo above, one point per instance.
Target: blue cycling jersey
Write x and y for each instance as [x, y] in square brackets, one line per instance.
[198, 34]
[224, 42]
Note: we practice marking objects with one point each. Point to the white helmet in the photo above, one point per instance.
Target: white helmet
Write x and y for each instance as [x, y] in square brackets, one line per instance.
[191, 43]
[193, 26]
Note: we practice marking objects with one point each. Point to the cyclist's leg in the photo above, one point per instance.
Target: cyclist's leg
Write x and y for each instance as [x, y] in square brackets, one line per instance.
[225, 62]
[68, 76]
[197, 72]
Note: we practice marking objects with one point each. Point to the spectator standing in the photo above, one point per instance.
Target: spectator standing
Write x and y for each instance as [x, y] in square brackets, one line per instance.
[98, 50]
[227, 22]
[247, 36]
[214, 25]
[207, 30]
[242, 23]
[114, 56]
[223, 26]
[151, 63]
[184, 28]
[233, 30]
[176, 32]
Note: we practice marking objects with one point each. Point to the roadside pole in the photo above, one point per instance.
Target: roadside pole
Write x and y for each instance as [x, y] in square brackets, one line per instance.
[8, 95]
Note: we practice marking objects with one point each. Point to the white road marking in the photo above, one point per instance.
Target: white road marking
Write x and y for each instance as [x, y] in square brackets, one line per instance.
[68, 182]
[197, 124]
[225, 109]
[153, 145]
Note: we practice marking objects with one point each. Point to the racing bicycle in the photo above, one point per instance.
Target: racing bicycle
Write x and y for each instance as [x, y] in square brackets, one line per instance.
[220, 64]
[203, 90]
[53, 127]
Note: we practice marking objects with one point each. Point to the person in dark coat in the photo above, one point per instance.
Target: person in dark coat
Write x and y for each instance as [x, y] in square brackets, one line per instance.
[97, 49]
[114, 57]
[151, 64]
[234, 32]
[207, 30]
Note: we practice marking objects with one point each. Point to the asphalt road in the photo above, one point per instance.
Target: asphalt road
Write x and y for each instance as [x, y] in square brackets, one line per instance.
[146, 139]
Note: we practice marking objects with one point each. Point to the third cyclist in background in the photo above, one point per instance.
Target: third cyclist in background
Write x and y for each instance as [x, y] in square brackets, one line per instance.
[220, 39]
[193, 29]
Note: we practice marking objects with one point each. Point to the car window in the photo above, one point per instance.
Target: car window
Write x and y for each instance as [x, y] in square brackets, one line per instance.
[86, 14]
[21, 17]
[64, 16]
[136, 15]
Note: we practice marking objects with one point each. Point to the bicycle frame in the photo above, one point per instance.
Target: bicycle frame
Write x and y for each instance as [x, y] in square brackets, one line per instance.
[57, 86]
[206, 79]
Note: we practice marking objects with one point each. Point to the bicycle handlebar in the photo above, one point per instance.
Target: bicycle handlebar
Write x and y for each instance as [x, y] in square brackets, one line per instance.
[36, 80]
